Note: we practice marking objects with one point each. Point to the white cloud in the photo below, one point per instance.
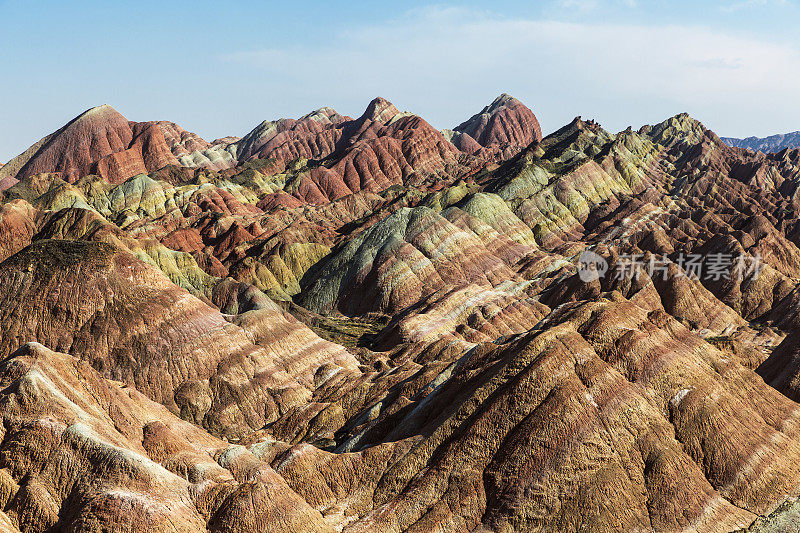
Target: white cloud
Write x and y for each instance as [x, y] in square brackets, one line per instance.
[448, 61]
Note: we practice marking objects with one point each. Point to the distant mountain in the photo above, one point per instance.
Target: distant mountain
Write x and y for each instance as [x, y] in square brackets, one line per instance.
[773, 143]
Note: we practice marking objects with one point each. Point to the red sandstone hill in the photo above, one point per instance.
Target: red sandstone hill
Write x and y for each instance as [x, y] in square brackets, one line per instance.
[505, 125]
[382, 147]
[101, 141]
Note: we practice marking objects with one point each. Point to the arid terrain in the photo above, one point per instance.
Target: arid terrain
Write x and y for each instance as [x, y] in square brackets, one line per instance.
[370, 325]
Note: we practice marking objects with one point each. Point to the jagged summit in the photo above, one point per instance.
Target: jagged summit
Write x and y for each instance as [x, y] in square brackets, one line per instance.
[680, 123]
[503, 100]
[681, 128]
[380, 110]
[312, 136]
[325, 115]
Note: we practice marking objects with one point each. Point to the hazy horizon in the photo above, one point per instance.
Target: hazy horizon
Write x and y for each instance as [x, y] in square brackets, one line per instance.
[220, 72]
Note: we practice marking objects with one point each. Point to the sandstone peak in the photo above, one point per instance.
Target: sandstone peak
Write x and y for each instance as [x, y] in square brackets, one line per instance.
[98, 141]
[94, 117]
[95, 121]
[323, 114]
[505, 121]
[681, 128]
[503, 100]
[103, 110]
[380, 110]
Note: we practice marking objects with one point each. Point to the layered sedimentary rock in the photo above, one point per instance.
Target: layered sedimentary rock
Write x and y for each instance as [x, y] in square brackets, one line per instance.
[83, 453]
[409, 255]
[380, 149]
[337, 324]
[128, 321]
[102, 141]
[312, 136]
[505, 124]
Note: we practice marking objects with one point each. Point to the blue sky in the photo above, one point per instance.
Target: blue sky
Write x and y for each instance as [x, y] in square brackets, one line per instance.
[220, 69]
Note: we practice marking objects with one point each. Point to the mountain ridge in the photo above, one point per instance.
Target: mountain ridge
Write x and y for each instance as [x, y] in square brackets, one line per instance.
[367, 324]
[124, 156]
[770, 144]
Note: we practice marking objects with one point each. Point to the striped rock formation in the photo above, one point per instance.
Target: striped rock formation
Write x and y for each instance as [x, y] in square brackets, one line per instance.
[132, 324]
[505, 125]
[101, 141]
[83, 453]
[337, 324]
